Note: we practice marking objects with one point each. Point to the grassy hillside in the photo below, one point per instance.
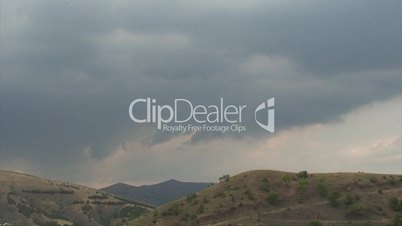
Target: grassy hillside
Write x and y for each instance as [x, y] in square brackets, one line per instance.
[28, 200]
[287, 199]
[156, 194]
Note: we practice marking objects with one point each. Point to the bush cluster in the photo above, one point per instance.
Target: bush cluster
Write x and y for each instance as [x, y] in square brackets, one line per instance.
[395, 204]
[273, 198]
[302, 174]
[333, 198]
[322, 189]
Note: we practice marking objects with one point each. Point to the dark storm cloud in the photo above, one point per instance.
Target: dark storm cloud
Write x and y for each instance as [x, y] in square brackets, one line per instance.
[71, 68]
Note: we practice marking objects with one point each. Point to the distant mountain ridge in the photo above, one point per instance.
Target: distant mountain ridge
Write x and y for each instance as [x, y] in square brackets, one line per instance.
[156, 194]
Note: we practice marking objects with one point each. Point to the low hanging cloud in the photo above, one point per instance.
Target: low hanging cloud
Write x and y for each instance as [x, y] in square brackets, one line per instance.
[358, 142]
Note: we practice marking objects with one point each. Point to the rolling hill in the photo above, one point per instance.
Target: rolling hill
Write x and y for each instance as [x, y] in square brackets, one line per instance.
[27, 200]
[287, 199]
[156, 194]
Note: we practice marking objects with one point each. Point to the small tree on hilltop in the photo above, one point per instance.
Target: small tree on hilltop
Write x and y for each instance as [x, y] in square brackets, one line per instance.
[224, 178]
[303, 174]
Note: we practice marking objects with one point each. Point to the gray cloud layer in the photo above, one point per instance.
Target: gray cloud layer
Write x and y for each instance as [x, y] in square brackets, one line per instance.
[69, 69]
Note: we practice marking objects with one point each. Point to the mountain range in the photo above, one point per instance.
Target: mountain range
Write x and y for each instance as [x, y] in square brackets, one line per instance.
[156, 194]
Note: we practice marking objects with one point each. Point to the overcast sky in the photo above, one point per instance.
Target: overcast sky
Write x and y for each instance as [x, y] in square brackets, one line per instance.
[69, 70]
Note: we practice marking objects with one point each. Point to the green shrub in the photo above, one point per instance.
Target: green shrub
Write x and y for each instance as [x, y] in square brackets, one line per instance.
[302, 174]
[232, 198]
[174, 209]
[356, 209]
[25, 210]
[183, 218]
[397, 221]
[201, 208]
[300, 199]
[379, 208]
[131, 212]
[302, 186]
[105, 219]
[349, 200]
[322, 189]
[264, 186]
[103, 196]
[392, 181]
[205, 200]
[191, 197]
[315, 223]
[273, 198]
[286, 179]
[249, 194]
[87, 209]
[373, 179]
[155, 217]
[333, 198]
[394, 204]
[10, 200]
